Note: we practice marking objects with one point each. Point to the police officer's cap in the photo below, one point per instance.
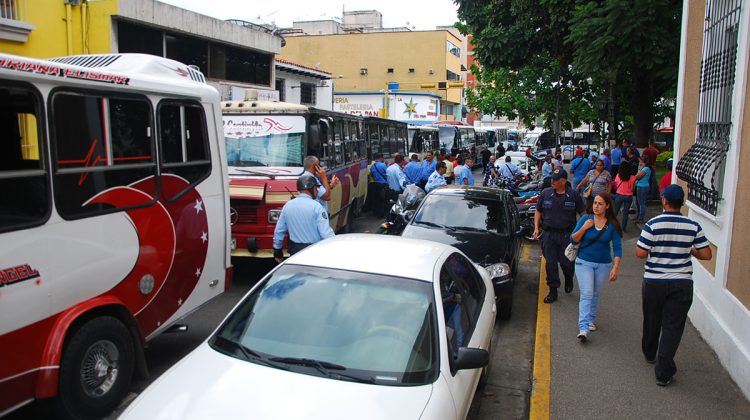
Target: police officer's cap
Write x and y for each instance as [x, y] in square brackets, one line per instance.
[306, 182]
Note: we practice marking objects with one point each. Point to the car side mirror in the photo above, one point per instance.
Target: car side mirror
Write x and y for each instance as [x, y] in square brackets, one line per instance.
[408, 215]
[471, 358]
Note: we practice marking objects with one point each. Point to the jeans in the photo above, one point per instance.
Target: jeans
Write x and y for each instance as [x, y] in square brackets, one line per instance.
[641, 195]
[624, 202]
[591, 278]
[665, 309]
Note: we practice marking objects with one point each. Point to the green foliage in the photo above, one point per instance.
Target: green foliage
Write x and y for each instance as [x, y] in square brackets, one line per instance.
[663, 157]
[629, 48]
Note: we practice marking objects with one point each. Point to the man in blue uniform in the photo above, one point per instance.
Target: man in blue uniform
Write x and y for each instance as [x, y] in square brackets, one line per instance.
[413, 170]
[428, 167]
[312, 167]
[380, 186]
[509, 170]
[547, 170]
[556, 215]
[305, 218]
[464, 176]
[437, 178]
[396, 178]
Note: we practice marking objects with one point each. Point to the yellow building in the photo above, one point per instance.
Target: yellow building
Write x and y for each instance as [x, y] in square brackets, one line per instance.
[367, 62]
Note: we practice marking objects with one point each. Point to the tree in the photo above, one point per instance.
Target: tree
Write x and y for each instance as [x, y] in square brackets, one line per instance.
[628, 48]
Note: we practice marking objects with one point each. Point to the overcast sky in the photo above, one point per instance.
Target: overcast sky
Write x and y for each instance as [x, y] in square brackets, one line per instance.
[422, 14]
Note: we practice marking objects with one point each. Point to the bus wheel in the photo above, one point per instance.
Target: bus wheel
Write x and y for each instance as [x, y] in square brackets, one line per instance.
[96, 368]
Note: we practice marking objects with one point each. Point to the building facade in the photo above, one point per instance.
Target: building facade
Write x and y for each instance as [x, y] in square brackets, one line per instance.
[398, 61]
[228, 54]
[713, 122]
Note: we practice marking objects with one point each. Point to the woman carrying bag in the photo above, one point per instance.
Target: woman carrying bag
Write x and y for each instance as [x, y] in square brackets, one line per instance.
[642, 188]
[624, 188]
[600, 236]
[597, 181]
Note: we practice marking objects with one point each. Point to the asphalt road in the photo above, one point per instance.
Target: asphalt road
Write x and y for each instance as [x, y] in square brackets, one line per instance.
[506, 395]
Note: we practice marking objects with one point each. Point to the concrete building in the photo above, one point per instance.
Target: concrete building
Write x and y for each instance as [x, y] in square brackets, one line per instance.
[229, 55]
[713, 123]
[373, 62]
[303, 85]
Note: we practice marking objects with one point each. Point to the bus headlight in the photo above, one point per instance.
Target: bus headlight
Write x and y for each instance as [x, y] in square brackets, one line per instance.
[273, 216]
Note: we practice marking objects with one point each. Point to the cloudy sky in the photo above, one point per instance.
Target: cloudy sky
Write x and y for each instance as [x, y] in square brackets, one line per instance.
[421, 14]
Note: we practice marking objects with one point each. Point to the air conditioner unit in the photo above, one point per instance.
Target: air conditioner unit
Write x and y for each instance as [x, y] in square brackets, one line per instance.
[363, 72]
[430, 71]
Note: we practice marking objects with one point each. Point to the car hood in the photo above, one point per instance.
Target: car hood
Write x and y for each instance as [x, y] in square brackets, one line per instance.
[209, 385]
[482, 248]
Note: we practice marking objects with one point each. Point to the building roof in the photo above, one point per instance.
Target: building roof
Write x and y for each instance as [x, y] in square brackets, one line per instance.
[291, 67]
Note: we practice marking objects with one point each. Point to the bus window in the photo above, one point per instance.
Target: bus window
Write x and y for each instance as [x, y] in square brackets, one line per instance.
[385, 142]
[99, 143]
[184, 143]
[22, 171]
[375, 143]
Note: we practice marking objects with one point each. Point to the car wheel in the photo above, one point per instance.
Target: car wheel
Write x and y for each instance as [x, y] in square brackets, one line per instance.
[95, 369]
[506, 307]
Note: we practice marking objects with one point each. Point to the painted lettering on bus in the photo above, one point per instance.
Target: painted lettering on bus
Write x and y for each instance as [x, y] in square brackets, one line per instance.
[17, 274]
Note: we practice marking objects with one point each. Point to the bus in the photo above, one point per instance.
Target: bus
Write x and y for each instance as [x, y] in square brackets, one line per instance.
[571, 140]
[266, 144]
[421, 139]
[539, 141]
[386, 136]
[112, 223]
[457, 138]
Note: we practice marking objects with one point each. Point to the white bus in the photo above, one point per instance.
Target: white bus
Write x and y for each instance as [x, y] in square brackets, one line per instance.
[113, 222]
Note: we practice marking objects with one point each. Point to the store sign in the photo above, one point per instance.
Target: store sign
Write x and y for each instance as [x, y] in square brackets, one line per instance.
[362, 105]
[401, 107]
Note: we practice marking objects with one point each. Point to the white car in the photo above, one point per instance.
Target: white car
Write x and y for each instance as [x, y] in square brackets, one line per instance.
[357, 326]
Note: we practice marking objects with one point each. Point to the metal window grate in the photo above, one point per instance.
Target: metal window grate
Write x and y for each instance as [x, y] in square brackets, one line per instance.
[702, 166]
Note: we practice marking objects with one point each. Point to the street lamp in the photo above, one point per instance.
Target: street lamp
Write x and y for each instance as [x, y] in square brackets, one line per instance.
[556, 86]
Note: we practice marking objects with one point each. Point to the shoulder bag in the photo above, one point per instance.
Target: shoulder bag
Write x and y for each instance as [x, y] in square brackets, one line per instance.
[571, 251]
[587, 191]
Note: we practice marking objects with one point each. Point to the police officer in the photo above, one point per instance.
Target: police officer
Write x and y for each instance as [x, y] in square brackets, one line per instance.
[396, 178]
[312, 167]
[556, 214]
[305, 218]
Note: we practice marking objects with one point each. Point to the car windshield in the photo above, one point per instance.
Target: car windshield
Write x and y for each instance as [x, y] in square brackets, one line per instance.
[463, 212]
[339, 324]
[264, 141]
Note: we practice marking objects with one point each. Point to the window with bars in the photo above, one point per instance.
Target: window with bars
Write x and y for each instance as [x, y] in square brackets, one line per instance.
[702, 166]
[281, 88]
[307, 94]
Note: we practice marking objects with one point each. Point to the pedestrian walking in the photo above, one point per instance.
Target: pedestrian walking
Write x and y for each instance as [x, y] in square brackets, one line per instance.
[600, 237]
[304, 218]
[624, 188]
[616, 157]
[556, 216]
[579, 166]
[597, 181]
[642, 188]
[667, 242]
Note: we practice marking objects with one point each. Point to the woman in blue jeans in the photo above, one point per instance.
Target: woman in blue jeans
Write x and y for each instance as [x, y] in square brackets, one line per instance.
[642, 188]
[600, 236]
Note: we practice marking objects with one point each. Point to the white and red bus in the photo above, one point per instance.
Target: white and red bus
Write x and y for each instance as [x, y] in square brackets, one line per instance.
[266, 144]
[113, 221]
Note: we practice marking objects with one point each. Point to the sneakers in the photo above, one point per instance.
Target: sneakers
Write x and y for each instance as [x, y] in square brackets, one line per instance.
[664, 382]
[551, 297]
[592, 326]
[582, 336]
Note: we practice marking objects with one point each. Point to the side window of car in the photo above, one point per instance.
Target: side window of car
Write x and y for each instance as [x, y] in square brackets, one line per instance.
[462, 294]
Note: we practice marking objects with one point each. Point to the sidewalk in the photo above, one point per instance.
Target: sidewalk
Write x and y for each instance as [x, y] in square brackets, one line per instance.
[607, 377]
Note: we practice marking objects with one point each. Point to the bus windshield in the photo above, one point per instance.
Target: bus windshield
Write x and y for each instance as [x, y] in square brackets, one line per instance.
[257, 140]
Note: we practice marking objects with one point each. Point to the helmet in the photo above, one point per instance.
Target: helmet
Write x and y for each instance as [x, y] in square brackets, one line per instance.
[306, 182]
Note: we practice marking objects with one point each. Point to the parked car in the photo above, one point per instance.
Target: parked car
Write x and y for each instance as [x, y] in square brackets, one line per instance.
[483, 222]
[343, 329]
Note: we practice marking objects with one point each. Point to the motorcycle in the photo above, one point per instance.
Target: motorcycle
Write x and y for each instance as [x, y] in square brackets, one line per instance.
[402, 210]
[526, 210]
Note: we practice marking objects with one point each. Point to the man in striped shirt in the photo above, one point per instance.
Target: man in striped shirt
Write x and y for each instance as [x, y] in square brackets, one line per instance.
[667, 242]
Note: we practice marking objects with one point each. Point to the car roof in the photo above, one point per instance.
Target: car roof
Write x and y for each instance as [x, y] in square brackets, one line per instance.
[472, 191]
[371, 253]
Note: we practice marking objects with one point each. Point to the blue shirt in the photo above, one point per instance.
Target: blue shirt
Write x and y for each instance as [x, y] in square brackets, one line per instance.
[580, 167]
[378, 170]
[643, 182]
[428, 167]
[607, 163]
[616, 156]
[599, 251]
[508, 170]
[413, 171]
[306, 221]
[464, 172]
[435, 180]
[547, 170]
[668, 238]
[396, 178]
